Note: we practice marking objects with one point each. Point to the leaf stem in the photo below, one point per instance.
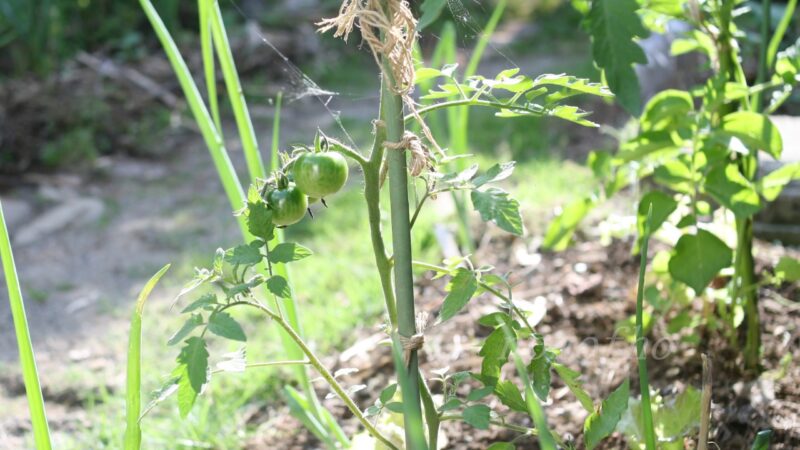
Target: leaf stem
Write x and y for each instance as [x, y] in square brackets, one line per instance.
[322, 370]
[496, 422]
[540, 110]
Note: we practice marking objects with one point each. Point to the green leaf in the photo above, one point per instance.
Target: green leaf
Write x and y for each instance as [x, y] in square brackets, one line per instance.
[762, 440]
[478, 394]
[501, 446]
[667, 110]
[495, 319]
[559, 233]
[572, 114]
[754, 130]
[462, 288]
[495, 173]
[539, 369]
[732, 190]
[203, 301]
[600, 424]
[451, 404]
[570, 86]
[495, 205]
[663, 205]
[677, 175]
[388, 393]
[771, 185]
[424, 74]
[647, 143]
[259, 220]
[246, 255]
[698, 258]
[788, 269]
[677, 418]
[194, 321]
[288, 252]
[460, 178]
[279, 286]
[495, 352]
[431, 10]
[477, 416]
[509, 394]
[395, 407]
[192, 371]
[223, 325]
[614, 25]
[570, 378]
[692, 41]
[133, 388]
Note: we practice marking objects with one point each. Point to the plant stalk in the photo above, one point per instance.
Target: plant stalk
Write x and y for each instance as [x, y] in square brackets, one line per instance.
[705, 405]
[641, 357]
[392, 115]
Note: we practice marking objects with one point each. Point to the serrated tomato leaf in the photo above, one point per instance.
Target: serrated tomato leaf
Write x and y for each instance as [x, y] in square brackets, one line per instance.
[223, 325]
[495, 205]
[288, 252]
[462, 287]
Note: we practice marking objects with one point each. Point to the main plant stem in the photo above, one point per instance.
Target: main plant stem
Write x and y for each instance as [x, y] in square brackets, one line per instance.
[744, 287]
[392, 115]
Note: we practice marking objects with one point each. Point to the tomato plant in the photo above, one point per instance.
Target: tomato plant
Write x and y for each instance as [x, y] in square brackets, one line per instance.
[700, 147]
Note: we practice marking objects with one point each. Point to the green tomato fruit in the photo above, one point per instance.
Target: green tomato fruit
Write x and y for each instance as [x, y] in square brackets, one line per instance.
[288, 205]
[320, 174]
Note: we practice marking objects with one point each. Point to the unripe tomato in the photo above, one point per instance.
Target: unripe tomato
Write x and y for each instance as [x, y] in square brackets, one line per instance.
[288, 205]
[320, 174]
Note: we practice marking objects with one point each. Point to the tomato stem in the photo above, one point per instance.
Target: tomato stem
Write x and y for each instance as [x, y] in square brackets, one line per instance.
[322, 370]
[392, 116]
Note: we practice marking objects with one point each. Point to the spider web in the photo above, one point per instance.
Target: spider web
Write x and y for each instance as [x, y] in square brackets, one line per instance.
[302, 86]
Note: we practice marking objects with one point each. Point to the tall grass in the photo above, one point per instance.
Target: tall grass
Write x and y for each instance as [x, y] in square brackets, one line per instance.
[133, 393]
[30, 376]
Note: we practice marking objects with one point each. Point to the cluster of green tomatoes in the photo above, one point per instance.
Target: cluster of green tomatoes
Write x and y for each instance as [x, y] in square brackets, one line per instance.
[310, 177]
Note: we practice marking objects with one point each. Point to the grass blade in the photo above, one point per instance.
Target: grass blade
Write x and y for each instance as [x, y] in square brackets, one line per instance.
[247, 134]
[133, 395]
[644, 384]
[211, 136]
[274, 155]
[780, 31]
[30, 376]
[207, 50]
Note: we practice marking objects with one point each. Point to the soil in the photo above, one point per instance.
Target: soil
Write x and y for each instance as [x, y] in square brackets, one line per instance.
[583, 308]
